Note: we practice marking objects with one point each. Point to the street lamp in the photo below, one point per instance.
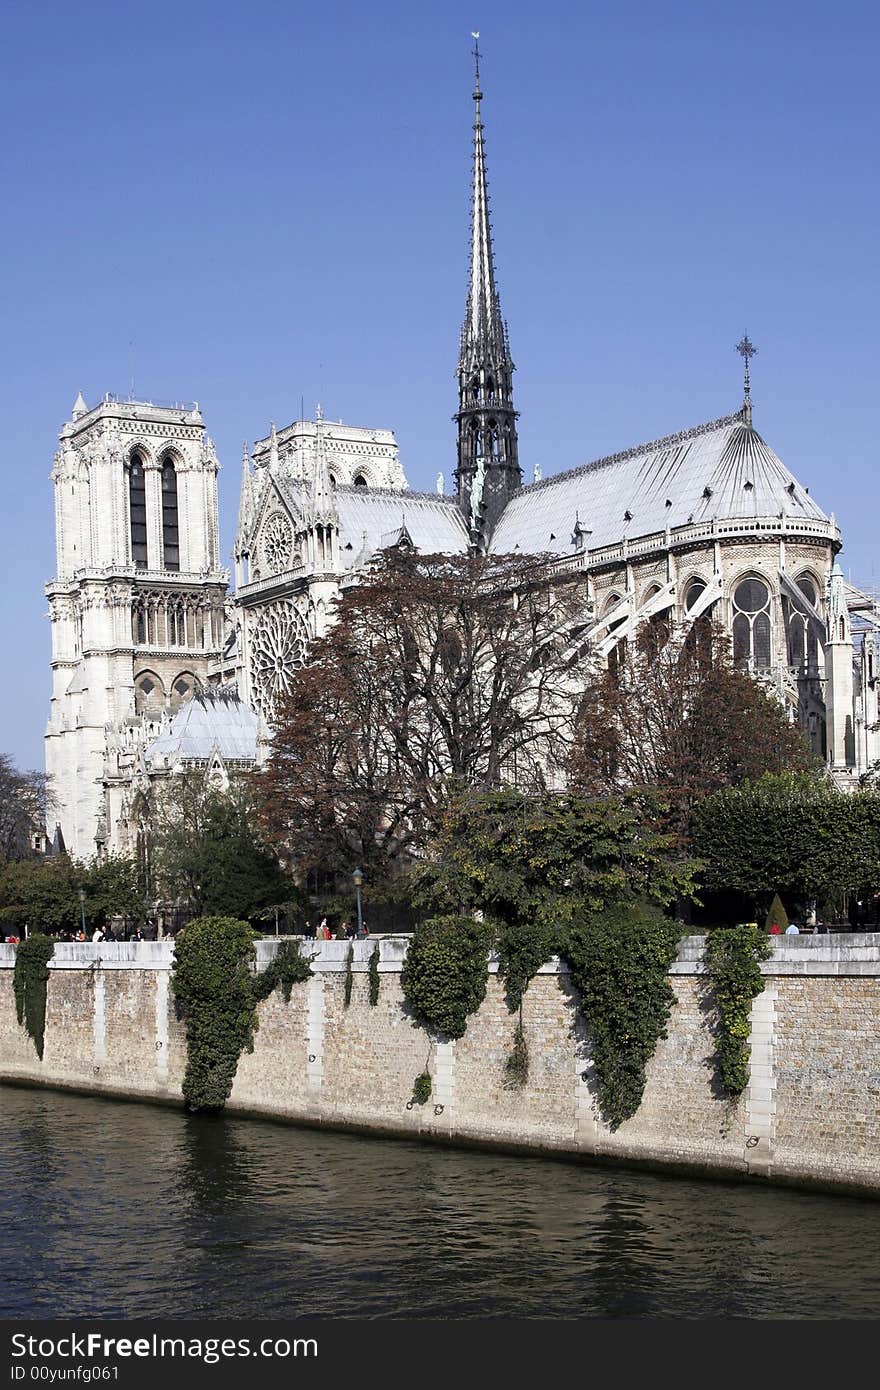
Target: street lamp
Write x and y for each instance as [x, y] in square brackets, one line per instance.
[358, 878]
[82, 909]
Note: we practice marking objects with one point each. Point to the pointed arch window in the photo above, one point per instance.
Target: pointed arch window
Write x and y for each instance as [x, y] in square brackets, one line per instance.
[751, 624]
[137, 509]
[170, 533]
[803, 648]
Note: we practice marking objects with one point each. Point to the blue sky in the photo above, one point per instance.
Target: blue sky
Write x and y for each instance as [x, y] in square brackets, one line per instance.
[250, 204]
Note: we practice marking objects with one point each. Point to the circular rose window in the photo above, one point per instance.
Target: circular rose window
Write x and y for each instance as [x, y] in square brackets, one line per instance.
[277, 544]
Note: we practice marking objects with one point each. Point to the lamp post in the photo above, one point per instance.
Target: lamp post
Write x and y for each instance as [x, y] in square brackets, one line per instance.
[358, 878]
[82, 909]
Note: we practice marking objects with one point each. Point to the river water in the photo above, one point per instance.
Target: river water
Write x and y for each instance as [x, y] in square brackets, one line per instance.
[122, 1210]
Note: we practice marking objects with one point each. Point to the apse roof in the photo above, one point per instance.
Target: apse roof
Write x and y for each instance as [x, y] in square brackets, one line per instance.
[722, 470]
[209, 722]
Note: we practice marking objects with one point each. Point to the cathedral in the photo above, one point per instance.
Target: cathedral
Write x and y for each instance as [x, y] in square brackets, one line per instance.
[157, 667]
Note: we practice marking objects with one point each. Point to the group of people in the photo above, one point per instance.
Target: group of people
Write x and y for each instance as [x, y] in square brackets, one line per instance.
[123, 933]
[346, 931]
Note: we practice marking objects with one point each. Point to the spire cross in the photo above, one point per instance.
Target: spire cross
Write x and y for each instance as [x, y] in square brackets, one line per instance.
[475, 35]
[746, 349]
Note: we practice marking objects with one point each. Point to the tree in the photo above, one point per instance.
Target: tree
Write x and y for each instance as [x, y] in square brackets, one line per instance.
[796, 835]
[114, 887]
[548, 861]
[207, 850]
[777, 915]
[441, 673]
[40, 894]
[23, 805]
[680, 717]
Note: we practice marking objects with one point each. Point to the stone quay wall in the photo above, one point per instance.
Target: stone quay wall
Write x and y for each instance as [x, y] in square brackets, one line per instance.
[810, 1115]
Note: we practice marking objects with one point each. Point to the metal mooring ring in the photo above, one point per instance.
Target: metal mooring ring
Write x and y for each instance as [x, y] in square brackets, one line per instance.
[438, 1109]
[311, 1056]
[409, 1105]
[751, 1141]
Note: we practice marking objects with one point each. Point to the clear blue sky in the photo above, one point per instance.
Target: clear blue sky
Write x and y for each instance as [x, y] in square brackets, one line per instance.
[246, 204]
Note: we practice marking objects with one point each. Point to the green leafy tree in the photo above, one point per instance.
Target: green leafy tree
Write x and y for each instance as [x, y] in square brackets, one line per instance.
[207, 849]
[40, 894]
[548, 860]
[114, 888]
[789, 834]
[777, 916]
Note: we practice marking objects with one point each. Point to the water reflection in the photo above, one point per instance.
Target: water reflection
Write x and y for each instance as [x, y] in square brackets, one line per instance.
[124, 1210]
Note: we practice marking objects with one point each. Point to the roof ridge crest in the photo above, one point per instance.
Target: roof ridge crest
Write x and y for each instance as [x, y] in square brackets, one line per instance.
[654, 444]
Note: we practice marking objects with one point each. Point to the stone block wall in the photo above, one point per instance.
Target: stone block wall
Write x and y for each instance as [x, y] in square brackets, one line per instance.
[810, 1113]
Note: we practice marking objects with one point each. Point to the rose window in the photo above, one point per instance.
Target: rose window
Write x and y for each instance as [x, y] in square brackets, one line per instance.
[278, 649]
[277, 544]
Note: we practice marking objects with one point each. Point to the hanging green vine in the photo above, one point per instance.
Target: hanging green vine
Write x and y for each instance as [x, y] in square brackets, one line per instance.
[516, 1068]
[619, 963]
[30, 979]
[733, 962]
[218, 996]
[287, 968]
[523, 947]
[422, 1088]
[349, 978]
[445, 972]
[374, 975]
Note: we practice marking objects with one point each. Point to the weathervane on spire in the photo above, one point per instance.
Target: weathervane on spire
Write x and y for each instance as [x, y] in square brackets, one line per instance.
[746, 349]
[475, 35]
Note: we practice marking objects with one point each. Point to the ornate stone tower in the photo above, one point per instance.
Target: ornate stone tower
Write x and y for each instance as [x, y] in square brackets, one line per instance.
[488, 471]
[137, 605]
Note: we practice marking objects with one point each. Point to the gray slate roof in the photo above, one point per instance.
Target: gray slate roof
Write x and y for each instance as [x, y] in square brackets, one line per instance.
[209, 722]
[721, 469]
[434, 523]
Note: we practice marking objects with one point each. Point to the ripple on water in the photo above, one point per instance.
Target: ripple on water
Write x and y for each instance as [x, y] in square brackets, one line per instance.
[123, 1210]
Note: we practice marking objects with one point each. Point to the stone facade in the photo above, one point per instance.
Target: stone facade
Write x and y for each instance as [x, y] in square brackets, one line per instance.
[809, 1115]
[137, 605]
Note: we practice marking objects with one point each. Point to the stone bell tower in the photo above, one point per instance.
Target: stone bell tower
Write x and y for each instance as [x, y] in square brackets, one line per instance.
[137, 603]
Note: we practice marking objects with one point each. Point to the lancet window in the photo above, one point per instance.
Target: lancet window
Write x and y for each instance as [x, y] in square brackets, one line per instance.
[137, 509]
[803, 648]
[170, 531]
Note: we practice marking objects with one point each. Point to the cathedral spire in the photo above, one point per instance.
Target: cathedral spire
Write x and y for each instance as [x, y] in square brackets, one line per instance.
[323, 496]
[488, 470]
[246, 498]
[746, 349]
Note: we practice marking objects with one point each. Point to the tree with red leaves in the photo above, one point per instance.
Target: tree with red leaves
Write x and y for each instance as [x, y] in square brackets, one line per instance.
[679, 716]
[440, 673]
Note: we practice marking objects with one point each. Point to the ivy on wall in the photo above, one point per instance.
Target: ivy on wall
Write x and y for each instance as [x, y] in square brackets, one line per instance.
[619, 962]
[733, 963]
[349, 978]
[218, 996]
[30, 979]
[445, 972]
[374, 975]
